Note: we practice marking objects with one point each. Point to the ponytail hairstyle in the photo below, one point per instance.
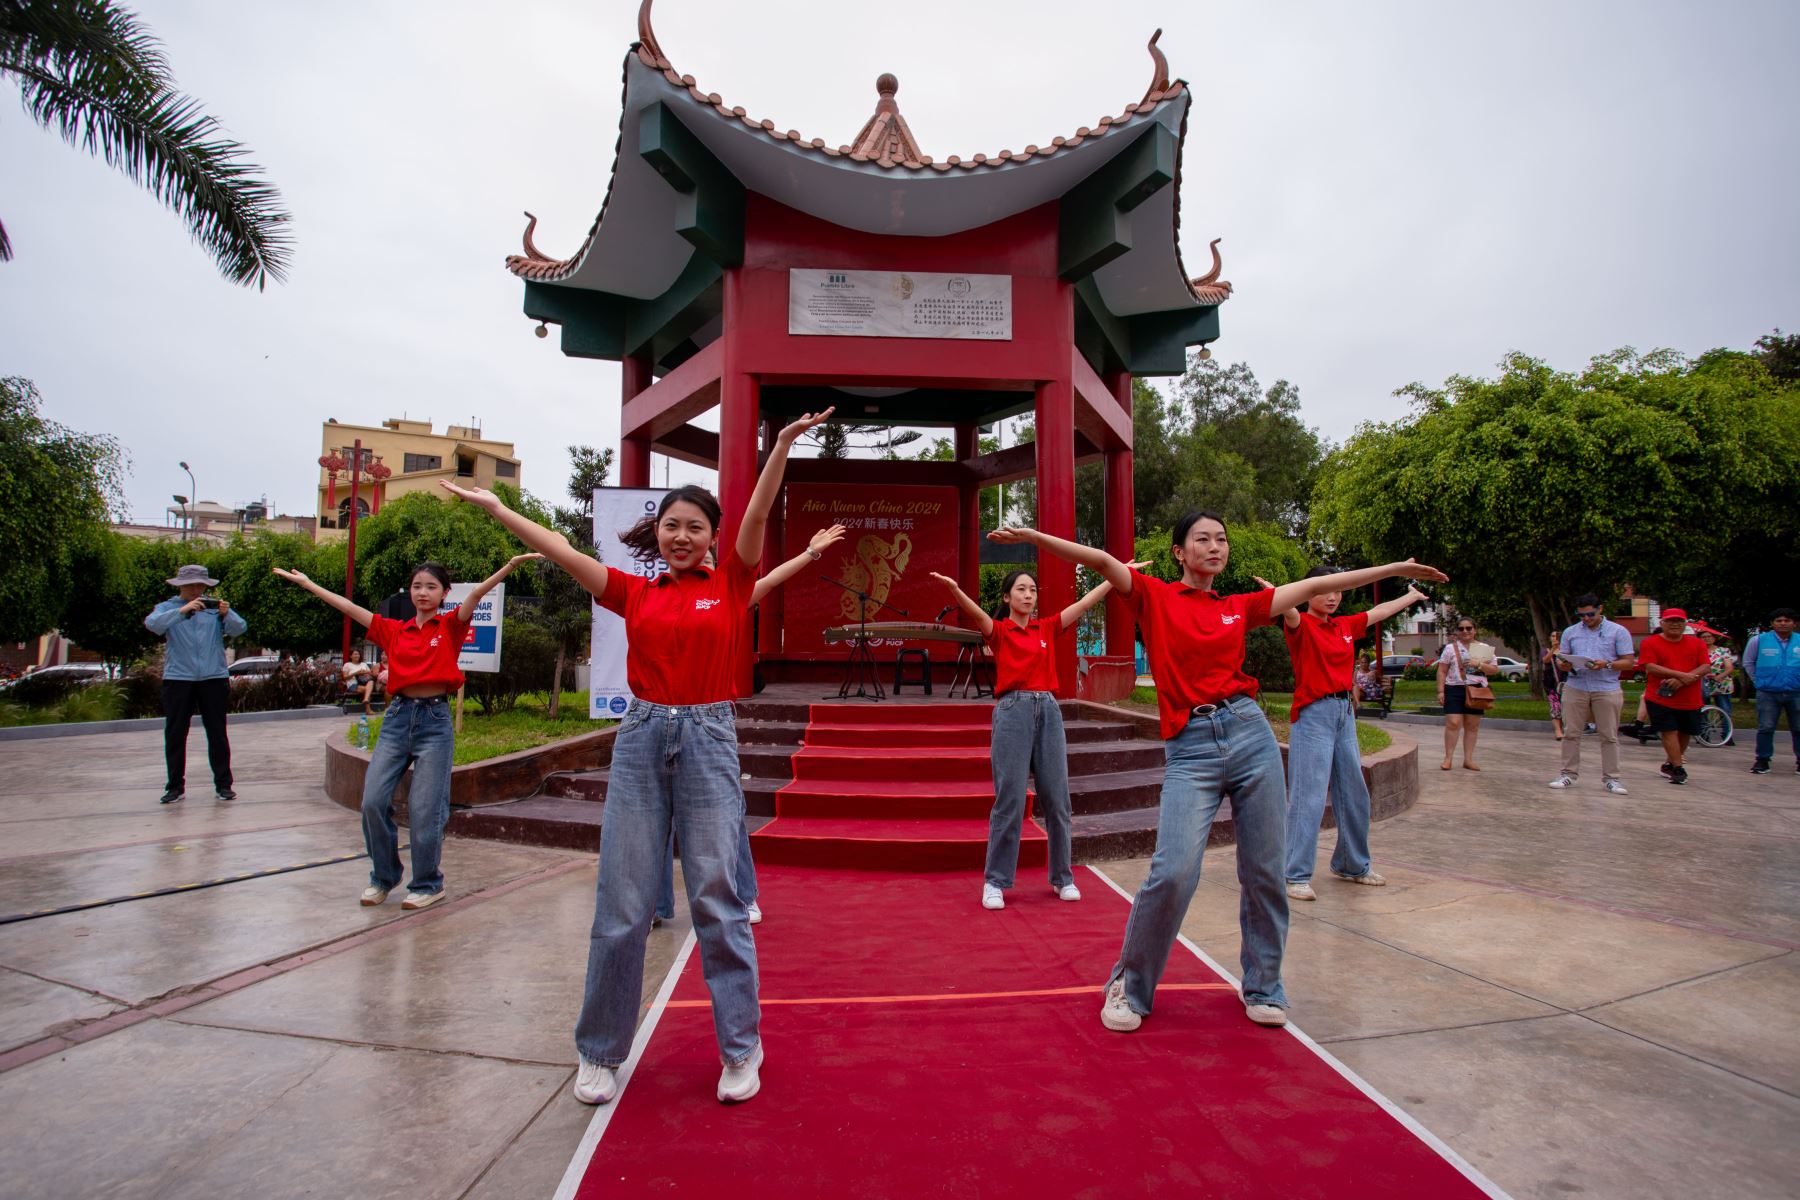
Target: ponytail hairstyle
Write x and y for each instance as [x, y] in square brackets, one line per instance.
[1316, 573]
[1004, 609]
[640, 539]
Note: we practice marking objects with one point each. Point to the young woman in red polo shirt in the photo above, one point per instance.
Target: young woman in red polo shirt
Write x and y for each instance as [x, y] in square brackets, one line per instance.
[416, 726]
[675, 761]
[1217, 743]
[1322, 750]
[1028, 729]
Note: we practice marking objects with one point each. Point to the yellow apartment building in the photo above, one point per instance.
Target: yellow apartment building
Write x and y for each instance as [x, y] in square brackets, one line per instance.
[416, 457]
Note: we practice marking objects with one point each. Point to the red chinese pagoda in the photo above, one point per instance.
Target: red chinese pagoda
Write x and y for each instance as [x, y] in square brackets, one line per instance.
[742, 265]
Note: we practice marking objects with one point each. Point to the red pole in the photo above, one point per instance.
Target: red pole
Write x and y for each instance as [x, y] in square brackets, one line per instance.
[350, 557]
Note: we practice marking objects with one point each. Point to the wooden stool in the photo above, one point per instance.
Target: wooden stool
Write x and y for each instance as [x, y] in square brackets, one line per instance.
[922, 679]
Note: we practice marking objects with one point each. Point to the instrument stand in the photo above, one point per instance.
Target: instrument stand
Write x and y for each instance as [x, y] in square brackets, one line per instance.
[971, 658]
[860, 668]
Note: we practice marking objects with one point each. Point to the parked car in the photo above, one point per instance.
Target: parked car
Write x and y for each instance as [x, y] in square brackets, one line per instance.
[80, 674]
[253, 665]
[1511, 669]
[1394, 665]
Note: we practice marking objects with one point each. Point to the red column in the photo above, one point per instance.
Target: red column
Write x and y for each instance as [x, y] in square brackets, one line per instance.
[1120, 524]
[1056, 509]
[739, 413]
[968, 547]
[634, 452]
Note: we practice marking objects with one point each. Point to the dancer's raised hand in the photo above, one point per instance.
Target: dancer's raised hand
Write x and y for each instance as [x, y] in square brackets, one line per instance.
[808, 421]
[825, 539]
[1413, 569]
[478, 496]
[1012, 535]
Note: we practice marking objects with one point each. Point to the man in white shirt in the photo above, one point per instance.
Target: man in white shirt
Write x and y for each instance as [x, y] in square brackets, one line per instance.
[1594, 651]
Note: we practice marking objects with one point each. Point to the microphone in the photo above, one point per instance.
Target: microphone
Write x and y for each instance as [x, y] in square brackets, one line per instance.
[948, 609]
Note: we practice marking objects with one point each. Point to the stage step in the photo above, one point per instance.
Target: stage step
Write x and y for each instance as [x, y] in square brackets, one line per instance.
[922, 845]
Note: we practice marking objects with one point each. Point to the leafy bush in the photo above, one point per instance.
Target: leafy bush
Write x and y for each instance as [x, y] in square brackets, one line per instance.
[527, 661]
[290, 685]
[1266, 659]
[96, 702]
[43, 690]
[1420, 672]
[141, 692]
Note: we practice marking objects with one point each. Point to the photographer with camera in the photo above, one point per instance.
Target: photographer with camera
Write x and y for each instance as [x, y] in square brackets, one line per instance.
[195, 626]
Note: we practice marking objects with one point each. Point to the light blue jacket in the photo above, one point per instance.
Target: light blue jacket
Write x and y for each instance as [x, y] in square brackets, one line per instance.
[196, 640]
[1773, 664]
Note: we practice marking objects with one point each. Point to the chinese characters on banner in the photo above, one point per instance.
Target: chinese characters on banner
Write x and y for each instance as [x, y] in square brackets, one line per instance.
[895, 537]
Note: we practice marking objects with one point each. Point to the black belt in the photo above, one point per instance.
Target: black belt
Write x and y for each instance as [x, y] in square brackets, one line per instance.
[1207, 710]
[1335, 696]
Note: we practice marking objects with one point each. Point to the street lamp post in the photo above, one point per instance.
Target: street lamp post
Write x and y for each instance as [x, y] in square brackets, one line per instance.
[183, 501]
[194, 491]
[356, 455]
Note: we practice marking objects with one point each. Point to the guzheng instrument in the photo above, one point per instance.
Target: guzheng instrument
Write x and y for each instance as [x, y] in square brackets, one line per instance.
[903, 631]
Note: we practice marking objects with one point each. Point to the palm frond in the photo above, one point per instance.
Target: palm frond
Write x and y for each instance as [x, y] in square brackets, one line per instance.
[91, 40]
[164, 142]
[5, 244]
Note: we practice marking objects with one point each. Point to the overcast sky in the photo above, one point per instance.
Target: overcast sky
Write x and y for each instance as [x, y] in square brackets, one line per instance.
[1405, 190]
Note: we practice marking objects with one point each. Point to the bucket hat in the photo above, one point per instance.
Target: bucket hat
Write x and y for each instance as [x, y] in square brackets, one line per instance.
[192, 573]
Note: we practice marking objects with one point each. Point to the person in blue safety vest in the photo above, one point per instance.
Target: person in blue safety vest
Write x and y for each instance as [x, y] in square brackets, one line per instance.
[1772, 660]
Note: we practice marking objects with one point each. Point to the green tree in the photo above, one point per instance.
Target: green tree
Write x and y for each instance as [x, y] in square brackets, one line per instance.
[1538, 485]
[91, 72]
[420, 527]
[112, 584]
[1779, 353]
[1247, 446]
[58, 488]
[281, 616]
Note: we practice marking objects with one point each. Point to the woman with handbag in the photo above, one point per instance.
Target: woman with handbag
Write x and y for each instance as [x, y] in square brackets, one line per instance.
[1463, 693]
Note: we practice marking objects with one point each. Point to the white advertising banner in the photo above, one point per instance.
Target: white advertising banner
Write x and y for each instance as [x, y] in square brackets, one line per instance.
[899, 304]
[481, 644]
[616, 510]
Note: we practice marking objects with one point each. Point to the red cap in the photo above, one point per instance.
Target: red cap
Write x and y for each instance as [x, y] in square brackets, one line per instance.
[1674, 614]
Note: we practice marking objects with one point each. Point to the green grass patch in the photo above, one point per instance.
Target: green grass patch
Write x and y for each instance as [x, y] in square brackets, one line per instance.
[526, 727]
[1515, 702]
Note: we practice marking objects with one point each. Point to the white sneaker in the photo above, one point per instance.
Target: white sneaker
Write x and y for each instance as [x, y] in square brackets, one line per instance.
[1067, 891]
[991, 897]
[755, 913]
[595, 1084]
[737, 1084]
[1562, 781]
[373, 895]
[1616, 788]
[1301, 891]
[1116, 1014]
[1369, 878]
[421, 899]
[1266, 1014]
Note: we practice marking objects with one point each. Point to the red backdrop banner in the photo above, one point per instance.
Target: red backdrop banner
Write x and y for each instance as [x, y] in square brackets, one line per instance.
[896, 536]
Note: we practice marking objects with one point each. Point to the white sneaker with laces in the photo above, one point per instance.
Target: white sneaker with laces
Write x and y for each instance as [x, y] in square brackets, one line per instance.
[991, 897]
[421, 899]
[1369, 878]
[373, 895]
[1616, 788]
[1067, 891]
[1116, 1014]
[1266, 1014]
[1301, 891]
[737, 1084]
[595, 1084]
[755, 913]
[1562, 781]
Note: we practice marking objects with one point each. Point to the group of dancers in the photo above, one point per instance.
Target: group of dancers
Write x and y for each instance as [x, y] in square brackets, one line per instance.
[675, 764]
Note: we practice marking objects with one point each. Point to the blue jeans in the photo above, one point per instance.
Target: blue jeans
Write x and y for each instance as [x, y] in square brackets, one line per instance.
[1769, 707]
[1230, 752]
[1028, 733]
[1323, 756]
[671, 768]
[420, 734]
[745, 870]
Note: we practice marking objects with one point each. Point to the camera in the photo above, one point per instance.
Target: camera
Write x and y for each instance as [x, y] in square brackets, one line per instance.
[209, 602]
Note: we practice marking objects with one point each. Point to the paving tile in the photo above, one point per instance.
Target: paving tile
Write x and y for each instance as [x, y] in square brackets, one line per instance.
[1564, 1107]
[31, 1008]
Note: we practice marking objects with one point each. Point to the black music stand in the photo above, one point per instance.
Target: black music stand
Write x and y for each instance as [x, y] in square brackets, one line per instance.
[861, 664]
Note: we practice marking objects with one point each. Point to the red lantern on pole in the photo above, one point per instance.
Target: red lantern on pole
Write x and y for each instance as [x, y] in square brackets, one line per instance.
[332, 464]
[379, 472]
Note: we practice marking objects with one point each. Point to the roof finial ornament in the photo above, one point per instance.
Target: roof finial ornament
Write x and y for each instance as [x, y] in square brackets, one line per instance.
[531, 250]
[647, 35]
[1212, 276]
[886, 139]
[1159, 66]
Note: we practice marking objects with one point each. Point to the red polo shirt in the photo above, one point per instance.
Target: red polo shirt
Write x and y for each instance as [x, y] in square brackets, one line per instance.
[682, 633]
[1689, 654]
[1024, 655]
[1324, 654]
[421, 653]
[1195, 642]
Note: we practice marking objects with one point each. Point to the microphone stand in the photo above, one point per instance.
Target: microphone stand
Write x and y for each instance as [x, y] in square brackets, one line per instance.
[861, 665]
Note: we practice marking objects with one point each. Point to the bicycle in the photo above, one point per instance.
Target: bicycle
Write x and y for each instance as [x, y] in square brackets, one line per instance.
[1715, 720]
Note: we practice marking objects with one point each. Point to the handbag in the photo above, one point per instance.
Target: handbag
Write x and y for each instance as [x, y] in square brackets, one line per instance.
[1477, 695]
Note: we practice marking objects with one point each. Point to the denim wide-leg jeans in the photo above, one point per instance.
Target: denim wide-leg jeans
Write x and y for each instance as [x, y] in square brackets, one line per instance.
[1028, 735]
[418, 733]
[671, 766]
[746, 876]
[1323, 756]
[1230, 752]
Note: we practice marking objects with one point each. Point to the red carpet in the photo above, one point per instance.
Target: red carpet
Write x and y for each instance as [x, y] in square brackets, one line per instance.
[919, 1046]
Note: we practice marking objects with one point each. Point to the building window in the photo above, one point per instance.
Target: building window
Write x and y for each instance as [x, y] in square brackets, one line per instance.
[465, 465]
[505, 470]
[423, 462]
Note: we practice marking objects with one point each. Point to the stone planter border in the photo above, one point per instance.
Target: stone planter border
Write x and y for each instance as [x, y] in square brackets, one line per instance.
[473, 785]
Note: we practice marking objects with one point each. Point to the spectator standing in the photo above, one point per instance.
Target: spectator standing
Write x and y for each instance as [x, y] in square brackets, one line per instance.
[1553, 681]
[1594, 651]
[195, 627]
[1674, 664]
[1457, 672]
[1772, 660]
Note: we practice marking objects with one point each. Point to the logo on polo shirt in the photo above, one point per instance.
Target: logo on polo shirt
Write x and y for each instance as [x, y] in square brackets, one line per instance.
[703, 605]
[1230, 618]
[433, 643]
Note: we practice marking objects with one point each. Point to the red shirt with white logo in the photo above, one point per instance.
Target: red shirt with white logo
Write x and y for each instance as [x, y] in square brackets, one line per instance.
[1024, 655]
[1689, 654]
[418, 653]
[682, 631]
[1195, 642]
[1324, 654]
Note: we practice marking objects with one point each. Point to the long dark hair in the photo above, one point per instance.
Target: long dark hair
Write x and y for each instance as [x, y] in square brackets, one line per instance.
[1192, 518]
[640, 539]
[436, 570]
[1004, 609]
